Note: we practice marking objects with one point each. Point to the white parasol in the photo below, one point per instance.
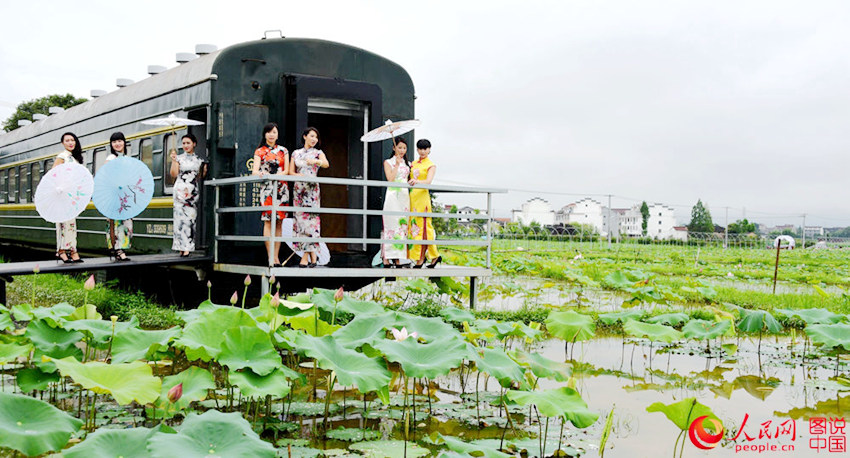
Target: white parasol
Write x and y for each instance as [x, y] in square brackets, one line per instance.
[390, 129]
[286, 230]
[63, 192]
[174, 122]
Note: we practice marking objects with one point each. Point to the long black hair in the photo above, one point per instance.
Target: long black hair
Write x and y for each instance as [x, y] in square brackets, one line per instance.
[266, 129]
[397, 141]
[77, 152]
[117, 136]
[307, 131]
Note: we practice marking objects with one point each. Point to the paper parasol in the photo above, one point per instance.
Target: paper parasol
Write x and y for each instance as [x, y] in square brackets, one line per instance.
[123, 188]
[287, 230]
[390, 130]
[63, 192]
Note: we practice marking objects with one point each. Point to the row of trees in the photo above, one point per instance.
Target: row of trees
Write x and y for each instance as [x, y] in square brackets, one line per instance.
[25, 110]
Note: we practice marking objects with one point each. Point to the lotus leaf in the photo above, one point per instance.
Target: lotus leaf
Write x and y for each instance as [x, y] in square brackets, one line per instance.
[311, 409]
[830, 336]
[430, 329]
[133, 344]
[756, 386]
[32, 426]
[12, 351]
[352, 434]
[429, 360]
[670, 319]
[202, 338]
[256, 386]
[457, 315]
[211, 434]
[421, 286]
[111, 443]
[704, 329]
[351, 368]
[758, 321]
[85, 312]
[389, 449]
[189, 316]
[469, 449]
[365, 330]
[542, 366]
[196, 384]
[126, 382]
[246, 346]
[653, 332]
[570, 326]
[6, 323]
[618, 280]
[563, 402]
[684, 412]
[813, 316]
[324, 299]
[500, 366]
[54, 315]
[306, 321]
[621, 316]
[98, 331]
[22, 312]
[450, 286]
[34, 379]
[50, 340]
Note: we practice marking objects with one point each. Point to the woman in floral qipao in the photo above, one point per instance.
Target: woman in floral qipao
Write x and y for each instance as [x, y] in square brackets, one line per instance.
[66, 232]
[187, 169]
[306, 162]
[272, 159]
[118, 232]
[397, 199]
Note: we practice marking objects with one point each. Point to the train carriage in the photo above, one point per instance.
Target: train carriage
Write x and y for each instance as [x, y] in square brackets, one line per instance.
[342, 90]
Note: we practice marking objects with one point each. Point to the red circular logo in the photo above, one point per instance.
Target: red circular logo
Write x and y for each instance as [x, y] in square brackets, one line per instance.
[700, 437]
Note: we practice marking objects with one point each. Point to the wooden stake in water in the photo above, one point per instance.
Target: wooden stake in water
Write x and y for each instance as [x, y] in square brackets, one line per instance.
[776, 268]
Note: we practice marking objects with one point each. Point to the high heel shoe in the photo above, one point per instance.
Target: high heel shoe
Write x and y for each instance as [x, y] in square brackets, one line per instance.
[418, 266]
[77, 259]
[60, 255]
[436, 261]
[120, 255]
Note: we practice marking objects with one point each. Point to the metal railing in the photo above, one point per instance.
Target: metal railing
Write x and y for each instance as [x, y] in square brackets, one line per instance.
[220, 183]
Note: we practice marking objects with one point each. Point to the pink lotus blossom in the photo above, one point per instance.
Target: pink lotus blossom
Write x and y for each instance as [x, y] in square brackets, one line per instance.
[175, 393]
[89, 285]
[36, 269]
[234, 298]
[275, 299]
[338, 295]
[402, 335]
[247, 280]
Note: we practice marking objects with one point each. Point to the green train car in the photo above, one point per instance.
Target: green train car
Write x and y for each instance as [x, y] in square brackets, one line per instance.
[342, 90]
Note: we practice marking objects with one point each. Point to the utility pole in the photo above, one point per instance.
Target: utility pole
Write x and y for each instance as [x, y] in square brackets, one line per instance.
[609, 221]
[804, 230]
[726, 231]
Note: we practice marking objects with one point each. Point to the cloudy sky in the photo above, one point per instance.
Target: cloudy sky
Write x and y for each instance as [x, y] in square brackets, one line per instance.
[744, 105]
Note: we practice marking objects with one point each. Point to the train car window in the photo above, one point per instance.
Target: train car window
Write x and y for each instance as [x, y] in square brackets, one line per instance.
[13, 185]
[170, 142]
[99, 157]
[35, 177]
[3, 190]
[87, 160]
[146, 152]
[24, 187]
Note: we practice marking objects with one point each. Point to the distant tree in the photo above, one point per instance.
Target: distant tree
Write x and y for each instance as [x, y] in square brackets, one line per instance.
[845, 232]
[742, 227]
[700, 219]
[25, 110]
[644, 215]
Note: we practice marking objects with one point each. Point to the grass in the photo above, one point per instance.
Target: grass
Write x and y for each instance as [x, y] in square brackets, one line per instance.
[50, 289]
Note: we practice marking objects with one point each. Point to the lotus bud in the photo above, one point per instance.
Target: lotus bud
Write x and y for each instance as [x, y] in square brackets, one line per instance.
[114, 319]
[234, 298]
[36, 269]
[272, 279]
[338, 294]
[209, 284]
[89, 285]
[247, 280]
[175, 393]
[275, 299]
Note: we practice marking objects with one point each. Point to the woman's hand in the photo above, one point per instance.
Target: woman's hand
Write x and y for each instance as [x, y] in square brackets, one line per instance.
[173, 154]
[411, 181]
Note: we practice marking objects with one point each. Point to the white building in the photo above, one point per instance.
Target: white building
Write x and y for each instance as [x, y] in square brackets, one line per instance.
[535, 210]
[660, 224]
[631, 222]
[680, 233]
[814, 231]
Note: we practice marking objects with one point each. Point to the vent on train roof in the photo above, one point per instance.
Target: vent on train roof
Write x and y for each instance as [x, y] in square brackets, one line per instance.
[38, 116]
[201, 49]
[95, 93]
[156, 69]
[183, 57]
[123, 82]
[24, 122]
[55, 110]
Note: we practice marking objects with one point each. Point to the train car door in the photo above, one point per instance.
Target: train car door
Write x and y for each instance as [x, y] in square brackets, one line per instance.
[342, 111]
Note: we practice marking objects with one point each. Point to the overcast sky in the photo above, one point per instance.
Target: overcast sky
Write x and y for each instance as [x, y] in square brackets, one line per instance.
[741, 104]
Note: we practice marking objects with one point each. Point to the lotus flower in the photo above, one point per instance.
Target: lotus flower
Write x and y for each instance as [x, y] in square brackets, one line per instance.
[272, 279]
[89, 285]
[275, 299]
[234, 298]
[578, 256]
[36, 269]
[730, 274]
[247, 280]
[175, 393]
[402, 335]
[338, 294]
[209, 284]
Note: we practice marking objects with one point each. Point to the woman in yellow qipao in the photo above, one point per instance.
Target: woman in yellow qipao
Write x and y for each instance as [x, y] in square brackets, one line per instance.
[422, 171]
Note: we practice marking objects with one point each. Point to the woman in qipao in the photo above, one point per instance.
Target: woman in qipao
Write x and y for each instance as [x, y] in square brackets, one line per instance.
[187, 169]
[66, 232]
[306, 162]
[272, 159]
[422, 171]
[397, 199]
[118, 232]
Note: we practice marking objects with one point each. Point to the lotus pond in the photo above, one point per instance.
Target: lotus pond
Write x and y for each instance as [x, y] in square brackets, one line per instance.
[619, 363]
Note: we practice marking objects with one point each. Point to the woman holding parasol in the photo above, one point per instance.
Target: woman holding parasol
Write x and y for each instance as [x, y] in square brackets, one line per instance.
[118, 232]
[66, 231]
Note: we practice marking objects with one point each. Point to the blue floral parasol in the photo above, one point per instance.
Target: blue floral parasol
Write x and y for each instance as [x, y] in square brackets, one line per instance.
[123, 188]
